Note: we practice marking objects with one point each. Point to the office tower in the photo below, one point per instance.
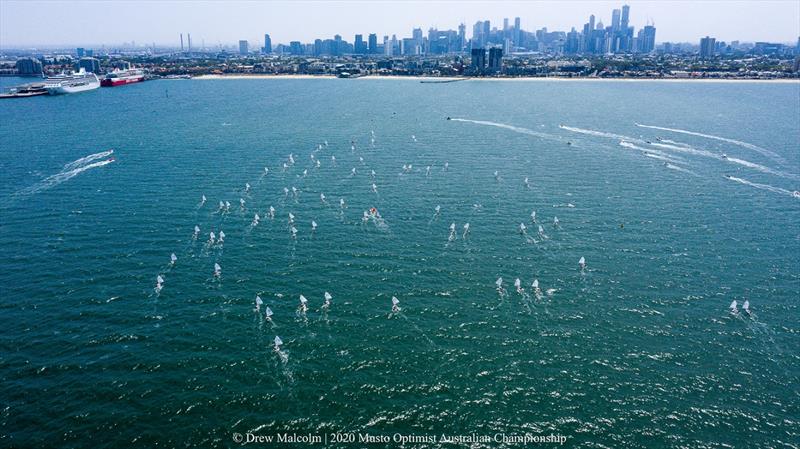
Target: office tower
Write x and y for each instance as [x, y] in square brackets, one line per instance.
[29, 67]
[80, 52]
[505, 24]
[181, 42]
[707, 47]
[89, 53]
[615, 25]
[358, 44]
[373, 43]
[243, 48]
[189, 38]
[647, 39]
[462, 37]
[517, 33]
[296, 48]
[89, 64]
[478, 62]
[267, 44]
[477, 33]
[495, 60]
[416, 34]
[625, 14]
[487, 30]
[507, 46]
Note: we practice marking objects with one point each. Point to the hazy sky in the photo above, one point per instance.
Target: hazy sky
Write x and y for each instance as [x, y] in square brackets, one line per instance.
[64, 22]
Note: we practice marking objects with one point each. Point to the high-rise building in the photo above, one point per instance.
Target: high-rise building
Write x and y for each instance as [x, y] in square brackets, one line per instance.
[189, 38]
[267, 45]
[296, 48]
[517, 33]
[478, 62]
[462, 37]
[495, 60]
[707, 47]
[505, 24]
[358, 44]
[243, 48]
[615, 24]
[29, 67]
[80, 52]
[626, 10]
[373, 43]
[89, 64]
[181, 41]
[647, 39]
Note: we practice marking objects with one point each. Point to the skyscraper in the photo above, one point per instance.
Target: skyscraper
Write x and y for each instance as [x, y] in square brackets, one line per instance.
[647, 39]
[358, 45]
[243, 48]
[495, 60]
[707, 47]
[478, 62]
[373, 43]
[267, 44]
[462, 37]
[615, 24]
[625, 13]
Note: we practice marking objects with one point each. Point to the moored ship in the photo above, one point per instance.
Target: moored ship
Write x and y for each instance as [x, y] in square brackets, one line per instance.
[122, 77]
[70, 84]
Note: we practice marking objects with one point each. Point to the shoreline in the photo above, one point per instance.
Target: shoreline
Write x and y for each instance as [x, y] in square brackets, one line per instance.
[518, 79]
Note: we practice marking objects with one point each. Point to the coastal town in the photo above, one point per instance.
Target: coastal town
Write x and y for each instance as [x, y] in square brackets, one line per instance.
[592, 50]
[158, 63]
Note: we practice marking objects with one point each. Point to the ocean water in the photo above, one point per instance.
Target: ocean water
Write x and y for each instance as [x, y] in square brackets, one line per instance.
[636, 350]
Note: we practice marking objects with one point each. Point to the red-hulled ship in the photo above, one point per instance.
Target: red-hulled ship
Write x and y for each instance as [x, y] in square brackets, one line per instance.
[122, 77]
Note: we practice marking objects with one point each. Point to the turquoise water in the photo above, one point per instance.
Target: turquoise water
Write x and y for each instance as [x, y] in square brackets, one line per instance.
[637, 350]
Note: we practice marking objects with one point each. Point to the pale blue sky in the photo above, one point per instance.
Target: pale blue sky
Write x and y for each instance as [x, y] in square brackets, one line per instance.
[64, 22]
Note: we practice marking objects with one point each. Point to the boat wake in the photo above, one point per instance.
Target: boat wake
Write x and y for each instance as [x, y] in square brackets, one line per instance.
[516, 129]
[681, 169]
[592, 132]
[762, 168]
[92, 157]
[63, 176]
[770, 154]
[764, 187]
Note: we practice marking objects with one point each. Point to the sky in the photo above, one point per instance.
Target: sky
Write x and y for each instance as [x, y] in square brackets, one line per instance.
[37, 23]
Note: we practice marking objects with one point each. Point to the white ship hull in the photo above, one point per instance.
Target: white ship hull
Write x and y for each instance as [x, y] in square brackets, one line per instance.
[72, 84]
[59, 90]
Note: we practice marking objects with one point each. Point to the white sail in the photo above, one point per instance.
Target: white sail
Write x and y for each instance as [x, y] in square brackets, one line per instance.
[328, 296]
[395, 301]
[733, 305]
[173, 257]
[303, 299]
[278, 341]
[259, 301]
[746, 305]
[159, 280]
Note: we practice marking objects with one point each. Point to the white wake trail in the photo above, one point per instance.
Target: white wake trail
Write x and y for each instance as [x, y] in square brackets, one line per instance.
[681, 169]
[764, 187]
[59, 178]
[750, 146]
[653, 153]
[763, 169]
[78, 162]
[592, 132]
[517, 129]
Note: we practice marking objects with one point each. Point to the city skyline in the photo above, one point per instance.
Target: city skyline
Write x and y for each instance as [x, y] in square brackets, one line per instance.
[91, 24]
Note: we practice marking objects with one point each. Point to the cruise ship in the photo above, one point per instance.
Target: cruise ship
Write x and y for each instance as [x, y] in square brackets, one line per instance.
[122, 77]
[70, 84]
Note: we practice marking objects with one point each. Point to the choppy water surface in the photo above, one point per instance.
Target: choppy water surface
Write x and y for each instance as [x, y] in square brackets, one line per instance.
[678, 195]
